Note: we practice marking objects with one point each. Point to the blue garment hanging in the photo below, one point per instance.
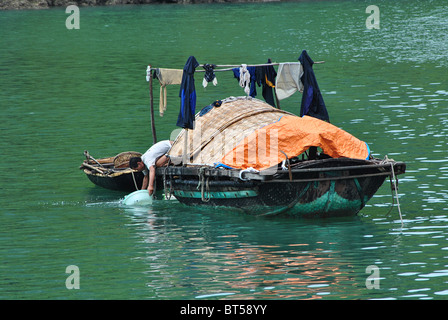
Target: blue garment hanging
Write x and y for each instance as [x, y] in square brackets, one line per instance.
[268, 75]
[312, 101]
[187, 95]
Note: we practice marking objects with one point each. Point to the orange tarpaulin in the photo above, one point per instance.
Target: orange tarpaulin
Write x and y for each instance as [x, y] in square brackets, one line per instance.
[292, 135]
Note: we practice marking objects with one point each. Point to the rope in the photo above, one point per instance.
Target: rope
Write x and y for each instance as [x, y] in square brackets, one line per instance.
[395, 187]
[393, 198]
[289, 165]
[394, 184]
[252, 170]
[203, 184]
[135, 182]
[168, 192]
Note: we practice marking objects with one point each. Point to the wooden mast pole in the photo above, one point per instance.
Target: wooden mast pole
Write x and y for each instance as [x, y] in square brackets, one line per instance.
[151, 102]
[185, 149]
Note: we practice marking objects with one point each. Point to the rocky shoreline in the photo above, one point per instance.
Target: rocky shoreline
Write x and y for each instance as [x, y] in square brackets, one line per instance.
[45, 4]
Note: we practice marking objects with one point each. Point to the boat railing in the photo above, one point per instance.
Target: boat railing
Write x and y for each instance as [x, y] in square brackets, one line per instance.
[297, 174]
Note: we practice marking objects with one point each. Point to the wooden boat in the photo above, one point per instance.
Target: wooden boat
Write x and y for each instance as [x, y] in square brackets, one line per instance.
[304, 185]
[113, 172]
[247, 155]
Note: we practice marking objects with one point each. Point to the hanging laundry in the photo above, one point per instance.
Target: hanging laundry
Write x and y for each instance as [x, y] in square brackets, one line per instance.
[247, 79]
[312, 101]
[187, 95]
[167, 77]
[268, 76]
[288, 79]
[209, 75]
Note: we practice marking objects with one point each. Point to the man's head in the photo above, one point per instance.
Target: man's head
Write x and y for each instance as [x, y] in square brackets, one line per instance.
[136, 163]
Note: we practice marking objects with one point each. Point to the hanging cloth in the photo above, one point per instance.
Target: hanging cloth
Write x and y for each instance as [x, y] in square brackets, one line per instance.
[209, 75]
[187, 95]
[268, 76]
[312, 100]
[167, 77]
[288, 79]
[246, 78]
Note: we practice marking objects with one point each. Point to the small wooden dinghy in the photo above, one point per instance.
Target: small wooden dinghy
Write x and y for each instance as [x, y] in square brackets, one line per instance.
[113, 172]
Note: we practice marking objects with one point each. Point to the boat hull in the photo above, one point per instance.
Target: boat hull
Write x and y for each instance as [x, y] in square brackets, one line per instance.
[311, 192]
[122, 182]
[300, 199]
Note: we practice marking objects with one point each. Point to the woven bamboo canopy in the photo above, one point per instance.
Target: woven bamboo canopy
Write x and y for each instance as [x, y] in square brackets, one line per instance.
[249, 133]
[218, 131]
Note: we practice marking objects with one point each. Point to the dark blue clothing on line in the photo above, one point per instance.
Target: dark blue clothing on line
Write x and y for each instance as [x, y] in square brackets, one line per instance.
[187, 95]
[312, 101]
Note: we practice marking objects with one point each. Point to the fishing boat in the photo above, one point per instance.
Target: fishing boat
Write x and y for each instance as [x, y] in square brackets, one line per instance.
[113, 172]
[249, 155]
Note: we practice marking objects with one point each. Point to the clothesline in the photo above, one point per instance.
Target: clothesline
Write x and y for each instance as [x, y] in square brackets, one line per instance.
[276, 85]
[289, 83]
[229, 67]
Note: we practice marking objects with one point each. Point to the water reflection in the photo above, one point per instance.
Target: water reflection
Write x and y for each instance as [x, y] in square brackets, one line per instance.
[214, 255]
[222, 255]
[285, 272]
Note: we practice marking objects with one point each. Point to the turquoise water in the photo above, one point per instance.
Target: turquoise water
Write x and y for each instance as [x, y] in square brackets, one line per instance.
[65, 91]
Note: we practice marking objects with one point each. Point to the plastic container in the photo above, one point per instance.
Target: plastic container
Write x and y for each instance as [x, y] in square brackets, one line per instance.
[139, 197]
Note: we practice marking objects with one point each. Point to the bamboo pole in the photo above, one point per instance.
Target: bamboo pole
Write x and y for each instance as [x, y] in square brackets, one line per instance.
[151, 102]
[228, 67]
[92, 168]
[185, 152]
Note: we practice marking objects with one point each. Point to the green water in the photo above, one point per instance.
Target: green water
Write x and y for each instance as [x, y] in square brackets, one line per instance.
[65, 91]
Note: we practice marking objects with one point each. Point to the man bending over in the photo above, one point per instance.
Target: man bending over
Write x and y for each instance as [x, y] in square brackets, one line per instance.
[147, 163]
